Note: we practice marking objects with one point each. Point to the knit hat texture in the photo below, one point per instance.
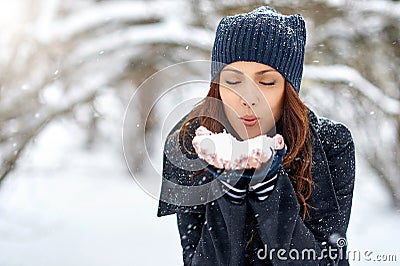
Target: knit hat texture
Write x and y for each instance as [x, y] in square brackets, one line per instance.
[265, 36]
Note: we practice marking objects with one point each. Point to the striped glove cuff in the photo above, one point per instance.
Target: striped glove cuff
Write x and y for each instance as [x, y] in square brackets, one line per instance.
[262, 190]
[234, 194]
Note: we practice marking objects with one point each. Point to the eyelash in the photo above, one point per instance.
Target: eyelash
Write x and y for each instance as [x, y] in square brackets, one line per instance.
[262, 83]
[268, 83]
[232, 82]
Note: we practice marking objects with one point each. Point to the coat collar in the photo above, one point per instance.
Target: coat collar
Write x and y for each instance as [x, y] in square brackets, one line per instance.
[323, 199]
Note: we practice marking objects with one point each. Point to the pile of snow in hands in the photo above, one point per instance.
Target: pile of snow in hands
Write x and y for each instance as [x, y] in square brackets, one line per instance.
[225, 151]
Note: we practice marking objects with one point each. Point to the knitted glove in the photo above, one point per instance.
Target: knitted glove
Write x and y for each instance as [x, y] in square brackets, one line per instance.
[236, 184]
[233, 184]
[261, 189]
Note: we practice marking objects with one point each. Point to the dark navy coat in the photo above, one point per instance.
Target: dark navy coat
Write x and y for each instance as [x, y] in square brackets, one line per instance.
[218, 232]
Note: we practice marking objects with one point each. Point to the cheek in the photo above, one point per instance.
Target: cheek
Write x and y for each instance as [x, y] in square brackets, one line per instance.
[275, 99]
[229, 98]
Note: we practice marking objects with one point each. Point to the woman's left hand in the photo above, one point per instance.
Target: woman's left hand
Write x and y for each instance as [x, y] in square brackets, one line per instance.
[258, 160]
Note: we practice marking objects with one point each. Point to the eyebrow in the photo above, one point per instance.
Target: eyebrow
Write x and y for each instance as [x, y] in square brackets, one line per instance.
[257, 73]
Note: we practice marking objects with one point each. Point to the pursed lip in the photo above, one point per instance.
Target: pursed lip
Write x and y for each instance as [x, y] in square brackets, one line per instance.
[249, 120]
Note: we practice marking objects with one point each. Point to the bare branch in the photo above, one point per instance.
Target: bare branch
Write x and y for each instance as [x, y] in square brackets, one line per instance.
[348, 75]
[9, 162]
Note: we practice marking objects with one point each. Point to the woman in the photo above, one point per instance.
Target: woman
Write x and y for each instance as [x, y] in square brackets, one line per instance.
[298, 211]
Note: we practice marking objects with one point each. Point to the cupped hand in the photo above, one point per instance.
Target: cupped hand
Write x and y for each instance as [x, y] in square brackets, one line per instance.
[254, 160]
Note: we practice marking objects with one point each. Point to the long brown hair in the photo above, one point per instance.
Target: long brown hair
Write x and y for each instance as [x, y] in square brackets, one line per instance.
[296, 133]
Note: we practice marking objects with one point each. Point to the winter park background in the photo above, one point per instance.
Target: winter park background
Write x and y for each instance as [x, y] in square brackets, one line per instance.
[69, 70]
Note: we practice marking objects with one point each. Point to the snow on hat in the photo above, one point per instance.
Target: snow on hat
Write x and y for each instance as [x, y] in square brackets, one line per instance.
[264, 36]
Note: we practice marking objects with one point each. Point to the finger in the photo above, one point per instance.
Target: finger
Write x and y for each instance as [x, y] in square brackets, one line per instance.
[196, 146]
[265, 158]
[226, 164]
[218, 162]
[209, 159]
[253, 162]
[244, 162]
[279, 142]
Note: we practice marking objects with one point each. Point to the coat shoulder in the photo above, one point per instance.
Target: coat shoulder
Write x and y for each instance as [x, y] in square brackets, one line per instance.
[336, 143]
[183, 141]
[335, 136]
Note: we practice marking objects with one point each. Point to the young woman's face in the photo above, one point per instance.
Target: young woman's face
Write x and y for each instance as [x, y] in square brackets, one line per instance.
[252, 94]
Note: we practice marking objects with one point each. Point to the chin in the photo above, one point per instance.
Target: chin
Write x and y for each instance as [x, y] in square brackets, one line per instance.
[253, 132]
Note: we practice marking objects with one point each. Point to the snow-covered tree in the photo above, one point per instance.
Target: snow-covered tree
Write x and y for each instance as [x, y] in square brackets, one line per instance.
[61, 57]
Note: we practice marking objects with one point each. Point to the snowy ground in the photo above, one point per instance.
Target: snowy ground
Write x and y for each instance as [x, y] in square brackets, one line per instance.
[65, 205]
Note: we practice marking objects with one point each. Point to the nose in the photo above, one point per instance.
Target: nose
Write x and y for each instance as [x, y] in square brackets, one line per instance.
[245, 103]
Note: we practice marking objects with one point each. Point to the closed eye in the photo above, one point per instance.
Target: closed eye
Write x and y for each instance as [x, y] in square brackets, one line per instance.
[232, 82]
[267, 83]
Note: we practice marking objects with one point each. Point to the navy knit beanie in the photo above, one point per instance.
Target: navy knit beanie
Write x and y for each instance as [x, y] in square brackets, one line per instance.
[264, 36]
